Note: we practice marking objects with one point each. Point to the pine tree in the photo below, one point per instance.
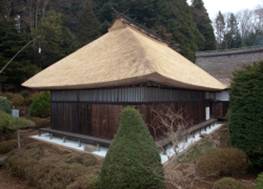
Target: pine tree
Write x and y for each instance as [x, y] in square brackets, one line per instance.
[203, 22]
[232, 37]
[220, 29]
[171, 19]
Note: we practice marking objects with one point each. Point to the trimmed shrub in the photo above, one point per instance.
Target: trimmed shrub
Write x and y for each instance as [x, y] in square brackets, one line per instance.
[40, 106]
[246, 115]
[8, 124]
[17, 100]
[7, 146]
[5, 105]
[46, 166]
[259, 181]
[27, 97]
[25, 93]
[222, 162]
[133, 160]
[228, 183]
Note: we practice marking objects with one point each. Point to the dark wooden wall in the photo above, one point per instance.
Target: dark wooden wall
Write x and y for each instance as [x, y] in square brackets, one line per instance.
[96, 112]
[220, 109]
[101, 120]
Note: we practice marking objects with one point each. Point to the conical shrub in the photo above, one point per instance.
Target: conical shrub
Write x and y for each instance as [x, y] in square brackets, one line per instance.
[133, 160]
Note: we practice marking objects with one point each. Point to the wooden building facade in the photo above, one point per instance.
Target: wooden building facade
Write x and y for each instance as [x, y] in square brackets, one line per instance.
[95, 112]
[126, 66]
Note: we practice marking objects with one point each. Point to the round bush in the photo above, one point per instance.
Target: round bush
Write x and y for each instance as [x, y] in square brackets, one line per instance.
[133, 161]
[40, 106]
[222, 162]
[246, 115]
[260, 181]
[228, 183]
[5, 105]
[8, 124]
[17, 100]
[25, 93]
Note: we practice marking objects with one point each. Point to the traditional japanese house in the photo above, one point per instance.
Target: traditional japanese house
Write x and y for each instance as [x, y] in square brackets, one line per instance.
[222, 64]
[126, 66]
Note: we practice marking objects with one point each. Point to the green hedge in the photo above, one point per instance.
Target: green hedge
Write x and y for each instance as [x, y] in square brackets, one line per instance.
[133, 161]
[246, 114]
[40, 106]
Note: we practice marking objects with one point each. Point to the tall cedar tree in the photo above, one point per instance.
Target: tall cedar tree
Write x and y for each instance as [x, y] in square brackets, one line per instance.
[55, 40]
[232, 38]
[11, 41]
[171, 19]
[133, 160]
[203, 22]
[246, 116]
[220, 26]
[89, 27]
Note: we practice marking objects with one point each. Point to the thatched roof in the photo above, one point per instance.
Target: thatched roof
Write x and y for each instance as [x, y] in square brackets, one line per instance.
[126, 55]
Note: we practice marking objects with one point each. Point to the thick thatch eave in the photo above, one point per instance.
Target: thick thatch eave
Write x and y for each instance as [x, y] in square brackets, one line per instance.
[123, 56]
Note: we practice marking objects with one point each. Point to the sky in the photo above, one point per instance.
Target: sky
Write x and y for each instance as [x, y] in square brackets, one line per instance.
[214, 6]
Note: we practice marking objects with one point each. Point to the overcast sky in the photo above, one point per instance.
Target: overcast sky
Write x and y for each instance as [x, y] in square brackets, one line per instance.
[213, 6]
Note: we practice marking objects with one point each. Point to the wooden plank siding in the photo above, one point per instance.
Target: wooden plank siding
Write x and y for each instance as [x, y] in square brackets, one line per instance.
[96, 112]
[124, 95]
[101, 120]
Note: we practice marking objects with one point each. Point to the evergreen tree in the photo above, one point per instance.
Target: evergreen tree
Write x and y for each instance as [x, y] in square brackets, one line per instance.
[89, 27]
[203, 22]
[11, 41]
[245, 115]
[54, 39]
[133, 160]
[232, 37]
[220, 26]
[171, 19]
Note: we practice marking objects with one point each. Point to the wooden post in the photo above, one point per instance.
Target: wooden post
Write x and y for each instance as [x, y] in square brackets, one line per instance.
[18, 139]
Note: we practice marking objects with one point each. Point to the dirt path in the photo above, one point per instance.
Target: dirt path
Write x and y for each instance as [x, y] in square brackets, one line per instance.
[9, 182]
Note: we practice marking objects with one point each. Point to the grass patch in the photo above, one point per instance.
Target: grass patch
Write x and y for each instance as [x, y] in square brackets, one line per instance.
[46, 166]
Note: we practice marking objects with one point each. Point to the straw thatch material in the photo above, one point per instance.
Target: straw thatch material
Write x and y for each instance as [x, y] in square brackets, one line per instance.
[124, 56]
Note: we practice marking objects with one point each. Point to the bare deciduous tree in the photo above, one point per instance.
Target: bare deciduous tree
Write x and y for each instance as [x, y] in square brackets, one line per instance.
[246, 24]
[171, 123]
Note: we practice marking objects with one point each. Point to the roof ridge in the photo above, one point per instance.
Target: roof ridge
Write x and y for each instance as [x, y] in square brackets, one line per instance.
[139, 28]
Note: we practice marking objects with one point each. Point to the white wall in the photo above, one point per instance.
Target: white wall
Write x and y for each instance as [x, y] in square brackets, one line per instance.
[223, 96]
